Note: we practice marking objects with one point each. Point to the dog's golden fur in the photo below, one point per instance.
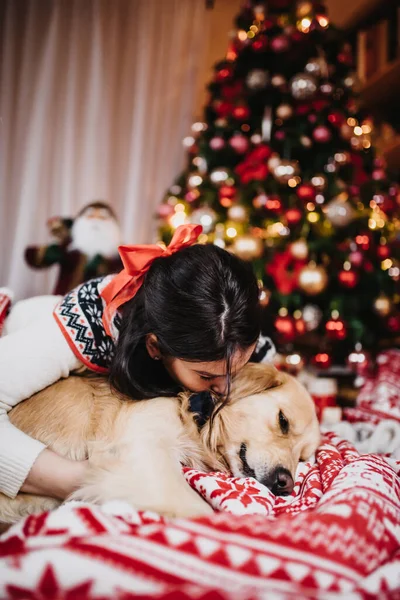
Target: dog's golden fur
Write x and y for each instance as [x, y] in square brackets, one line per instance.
[135, 449]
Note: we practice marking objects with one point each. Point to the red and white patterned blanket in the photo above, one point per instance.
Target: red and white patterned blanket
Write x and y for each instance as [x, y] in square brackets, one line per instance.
[379, 398]
[337, 536]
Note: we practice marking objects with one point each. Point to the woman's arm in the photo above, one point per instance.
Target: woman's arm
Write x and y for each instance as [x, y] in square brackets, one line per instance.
[55, 476]
[30, 360]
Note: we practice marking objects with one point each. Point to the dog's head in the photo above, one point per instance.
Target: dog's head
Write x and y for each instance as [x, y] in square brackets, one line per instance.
[268, 425]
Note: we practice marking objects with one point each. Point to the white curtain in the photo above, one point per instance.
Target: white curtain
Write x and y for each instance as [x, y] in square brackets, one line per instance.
[95, 98]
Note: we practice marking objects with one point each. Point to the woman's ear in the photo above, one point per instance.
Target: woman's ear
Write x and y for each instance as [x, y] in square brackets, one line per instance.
[152, 346]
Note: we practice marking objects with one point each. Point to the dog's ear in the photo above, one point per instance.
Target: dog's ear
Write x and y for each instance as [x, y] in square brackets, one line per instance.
[255, 378]
[201, 404]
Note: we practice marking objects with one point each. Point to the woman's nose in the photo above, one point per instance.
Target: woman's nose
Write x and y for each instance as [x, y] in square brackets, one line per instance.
[219, 387]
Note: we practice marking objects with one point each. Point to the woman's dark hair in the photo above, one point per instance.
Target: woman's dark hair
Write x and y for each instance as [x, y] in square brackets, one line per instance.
[201, 303]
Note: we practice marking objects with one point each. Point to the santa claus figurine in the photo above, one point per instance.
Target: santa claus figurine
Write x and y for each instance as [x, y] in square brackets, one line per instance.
[85, 247]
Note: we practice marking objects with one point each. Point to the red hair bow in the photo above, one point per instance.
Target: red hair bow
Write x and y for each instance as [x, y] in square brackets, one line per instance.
[137, 261]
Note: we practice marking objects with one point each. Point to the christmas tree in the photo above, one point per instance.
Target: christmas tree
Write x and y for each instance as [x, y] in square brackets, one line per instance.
[282, 172]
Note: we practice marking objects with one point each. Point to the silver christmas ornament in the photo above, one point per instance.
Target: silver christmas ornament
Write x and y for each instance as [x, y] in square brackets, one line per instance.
[194, 180]
[278, 80]
[319, 182]
[257, 79]
[285, 170]
[352, 82]
[201, 164]
[218, 176]
[326, 89]
[238, 213]
[284, 111]
[305, 141]
[340, 213]
[303, 86]
[312, 316]
[205, 217]
[317, 67]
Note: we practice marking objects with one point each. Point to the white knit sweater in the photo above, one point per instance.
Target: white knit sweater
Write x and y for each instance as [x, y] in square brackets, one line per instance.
[33, 355]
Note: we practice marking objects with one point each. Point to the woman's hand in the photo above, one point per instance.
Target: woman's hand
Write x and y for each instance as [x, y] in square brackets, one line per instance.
[55, 476]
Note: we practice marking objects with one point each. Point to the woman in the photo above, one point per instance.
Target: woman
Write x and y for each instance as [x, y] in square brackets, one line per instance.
[186, 316]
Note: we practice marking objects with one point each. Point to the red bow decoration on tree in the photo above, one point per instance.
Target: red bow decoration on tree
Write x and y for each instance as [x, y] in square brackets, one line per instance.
[284, 270]
[137, 261]
[254, 166]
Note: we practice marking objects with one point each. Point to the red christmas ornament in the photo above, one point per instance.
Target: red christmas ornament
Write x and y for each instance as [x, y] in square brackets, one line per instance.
[231, 53]
[345, 58]
[378, 175]
[293, 216]
[354, 190]
[260, 44]
[306, 192]
[303, 108]
[227, 191]
[191, 195]
[336, 329]
[319, 105]
[384, 202]
[241, 112]
[280, 135]
[368, 266]
[226, 202]
[363, 241]
[348, 279]
[223, 74]
[217, 143]
[273, 204]
[297, 36]
[360, 176]
[223, 108]
[336, 118]
[322, 134]
[393, 323]
[285, 326]
[322, 360]
[232, 91]
[239, 143]
[356, 258]
[280, 44]
[300, 326]
[383, 251]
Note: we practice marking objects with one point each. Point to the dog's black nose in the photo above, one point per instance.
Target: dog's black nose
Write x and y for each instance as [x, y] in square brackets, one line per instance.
[280, 482]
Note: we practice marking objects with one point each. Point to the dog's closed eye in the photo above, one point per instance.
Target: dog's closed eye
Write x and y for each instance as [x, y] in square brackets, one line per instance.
[283, 423]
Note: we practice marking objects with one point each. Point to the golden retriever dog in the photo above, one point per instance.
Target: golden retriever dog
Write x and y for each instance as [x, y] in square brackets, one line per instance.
[136, 448]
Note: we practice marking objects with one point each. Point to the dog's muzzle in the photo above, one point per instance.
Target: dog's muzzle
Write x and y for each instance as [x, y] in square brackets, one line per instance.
[279, 481]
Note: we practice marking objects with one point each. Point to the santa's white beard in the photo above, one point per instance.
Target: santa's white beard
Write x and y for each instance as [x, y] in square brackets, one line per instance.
[96, 236]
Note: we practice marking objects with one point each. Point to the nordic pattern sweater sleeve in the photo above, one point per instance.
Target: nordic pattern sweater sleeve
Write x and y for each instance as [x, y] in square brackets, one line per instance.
[30, 360]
